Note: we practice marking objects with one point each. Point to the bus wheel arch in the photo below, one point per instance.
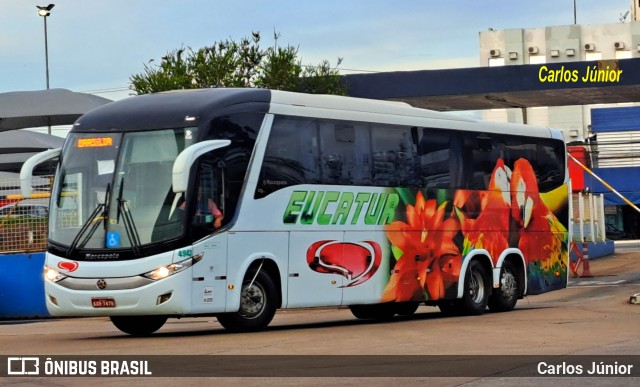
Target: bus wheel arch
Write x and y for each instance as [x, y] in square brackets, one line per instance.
[260, 296]
[474, 287]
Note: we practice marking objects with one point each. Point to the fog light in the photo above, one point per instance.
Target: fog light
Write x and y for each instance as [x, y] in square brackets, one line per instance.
[163, 298]
[53, 300]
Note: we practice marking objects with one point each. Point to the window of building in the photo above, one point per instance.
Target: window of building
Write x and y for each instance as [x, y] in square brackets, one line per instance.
[537, 59]
[493, 62]
[623, 54]
[589, 56]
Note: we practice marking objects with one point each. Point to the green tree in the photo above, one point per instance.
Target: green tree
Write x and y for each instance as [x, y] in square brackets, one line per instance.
[228, 63]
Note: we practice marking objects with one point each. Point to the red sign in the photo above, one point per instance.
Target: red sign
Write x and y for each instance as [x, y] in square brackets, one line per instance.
[68, 265]
[576, 173]
[356, 261]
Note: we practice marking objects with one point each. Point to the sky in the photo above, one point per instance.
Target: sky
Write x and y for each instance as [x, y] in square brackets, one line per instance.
[95, 46]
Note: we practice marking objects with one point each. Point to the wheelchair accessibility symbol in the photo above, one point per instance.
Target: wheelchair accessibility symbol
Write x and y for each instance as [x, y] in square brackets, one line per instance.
[113, 239]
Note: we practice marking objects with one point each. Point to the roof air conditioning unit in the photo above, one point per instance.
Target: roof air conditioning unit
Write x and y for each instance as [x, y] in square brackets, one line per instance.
[494, 53]
[618, 45]
[589, 47]
[533, 50]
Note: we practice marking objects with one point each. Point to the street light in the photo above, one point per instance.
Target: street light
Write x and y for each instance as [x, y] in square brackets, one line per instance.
[44, 12]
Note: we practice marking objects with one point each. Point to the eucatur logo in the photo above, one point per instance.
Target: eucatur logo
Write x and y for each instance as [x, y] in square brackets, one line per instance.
[356, 261]
[68, 266]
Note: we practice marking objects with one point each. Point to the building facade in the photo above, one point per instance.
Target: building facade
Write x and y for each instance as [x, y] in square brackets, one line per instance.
[608, 134]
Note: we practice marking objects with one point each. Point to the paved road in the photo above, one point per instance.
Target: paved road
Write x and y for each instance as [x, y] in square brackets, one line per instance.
[591, 317]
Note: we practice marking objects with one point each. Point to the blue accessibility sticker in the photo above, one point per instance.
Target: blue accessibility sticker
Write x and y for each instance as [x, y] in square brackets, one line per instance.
[113, 239]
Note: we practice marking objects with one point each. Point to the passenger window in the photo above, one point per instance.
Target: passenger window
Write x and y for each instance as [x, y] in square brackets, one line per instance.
[395, 157]
[438, 155]
[344, 150]
[292, 155]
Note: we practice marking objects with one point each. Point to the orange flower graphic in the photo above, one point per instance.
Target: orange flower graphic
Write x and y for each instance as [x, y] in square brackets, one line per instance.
[428, 260]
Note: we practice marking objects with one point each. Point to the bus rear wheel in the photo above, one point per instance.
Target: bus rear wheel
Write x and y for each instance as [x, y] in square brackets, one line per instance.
[505, 297]
[451, 307]
[257, 305]
[138, 325]
[476, 289]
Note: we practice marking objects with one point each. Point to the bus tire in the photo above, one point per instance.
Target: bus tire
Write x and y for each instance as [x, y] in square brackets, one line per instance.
[451, 307]
[138, 325]
[505, 297]
[477, 289]
[373, 311]
[257, 305]
[406, 308]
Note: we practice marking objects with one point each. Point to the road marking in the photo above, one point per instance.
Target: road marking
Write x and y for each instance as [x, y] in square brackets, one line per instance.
[595, 283]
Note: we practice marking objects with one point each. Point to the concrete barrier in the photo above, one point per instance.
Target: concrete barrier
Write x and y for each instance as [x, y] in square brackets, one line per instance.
[22, 286]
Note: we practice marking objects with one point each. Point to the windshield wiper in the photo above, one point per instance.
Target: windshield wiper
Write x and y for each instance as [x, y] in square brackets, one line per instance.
[129, 224]
[91, 224]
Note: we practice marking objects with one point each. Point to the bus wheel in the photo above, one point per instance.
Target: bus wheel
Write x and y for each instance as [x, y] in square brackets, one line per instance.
[476, 289]
[506, 296]
[257, 305]
[375, 311]
[451, 307]
[138, 325]
[406, 308]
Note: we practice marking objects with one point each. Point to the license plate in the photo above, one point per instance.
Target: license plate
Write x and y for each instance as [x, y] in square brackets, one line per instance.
[103, 302]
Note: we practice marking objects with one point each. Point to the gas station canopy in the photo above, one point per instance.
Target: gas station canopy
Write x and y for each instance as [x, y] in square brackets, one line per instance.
[517, 86]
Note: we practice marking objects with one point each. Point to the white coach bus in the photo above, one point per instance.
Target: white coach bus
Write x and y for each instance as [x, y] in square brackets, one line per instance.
[237, 202]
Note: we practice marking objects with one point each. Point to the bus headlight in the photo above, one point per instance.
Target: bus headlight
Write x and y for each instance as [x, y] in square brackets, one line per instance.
[169, 270]
[53, 275]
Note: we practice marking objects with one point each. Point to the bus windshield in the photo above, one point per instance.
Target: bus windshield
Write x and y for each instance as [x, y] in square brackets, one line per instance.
[114, 190]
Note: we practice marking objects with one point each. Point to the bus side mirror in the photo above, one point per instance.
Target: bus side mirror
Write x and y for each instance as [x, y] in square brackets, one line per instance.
[26, 172]
[186, 158]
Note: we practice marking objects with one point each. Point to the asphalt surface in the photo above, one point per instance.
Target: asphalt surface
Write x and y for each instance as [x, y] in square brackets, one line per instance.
[592, 317]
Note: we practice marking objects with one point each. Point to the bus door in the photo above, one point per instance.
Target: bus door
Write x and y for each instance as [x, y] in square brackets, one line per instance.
[209, 275]
[315, 275]
[209, 286]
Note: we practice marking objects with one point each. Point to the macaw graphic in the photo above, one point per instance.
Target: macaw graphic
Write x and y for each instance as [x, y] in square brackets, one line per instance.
[357, 262]
[428, 260]
[542, 237]
[489, 230]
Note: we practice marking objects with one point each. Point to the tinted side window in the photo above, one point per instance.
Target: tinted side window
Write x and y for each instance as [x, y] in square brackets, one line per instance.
[550, 165]
[546, 156]
[316, 151]
[345, 149]
[395, 157]
[292, 155]
[439, 153]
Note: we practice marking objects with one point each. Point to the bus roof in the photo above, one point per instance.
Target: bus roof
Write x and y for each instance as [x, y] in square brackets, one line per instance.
[182, 108]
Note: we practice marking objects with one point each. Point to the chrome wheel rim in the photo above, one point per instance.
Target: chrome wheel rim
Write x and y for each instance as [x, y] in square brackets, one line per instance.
[509, 286]
[476, 287]
[252, 300]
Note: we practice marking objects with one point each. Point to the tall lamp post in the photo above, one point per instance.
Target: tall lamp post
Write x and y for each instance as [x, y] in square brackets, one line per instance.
[45, 12]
